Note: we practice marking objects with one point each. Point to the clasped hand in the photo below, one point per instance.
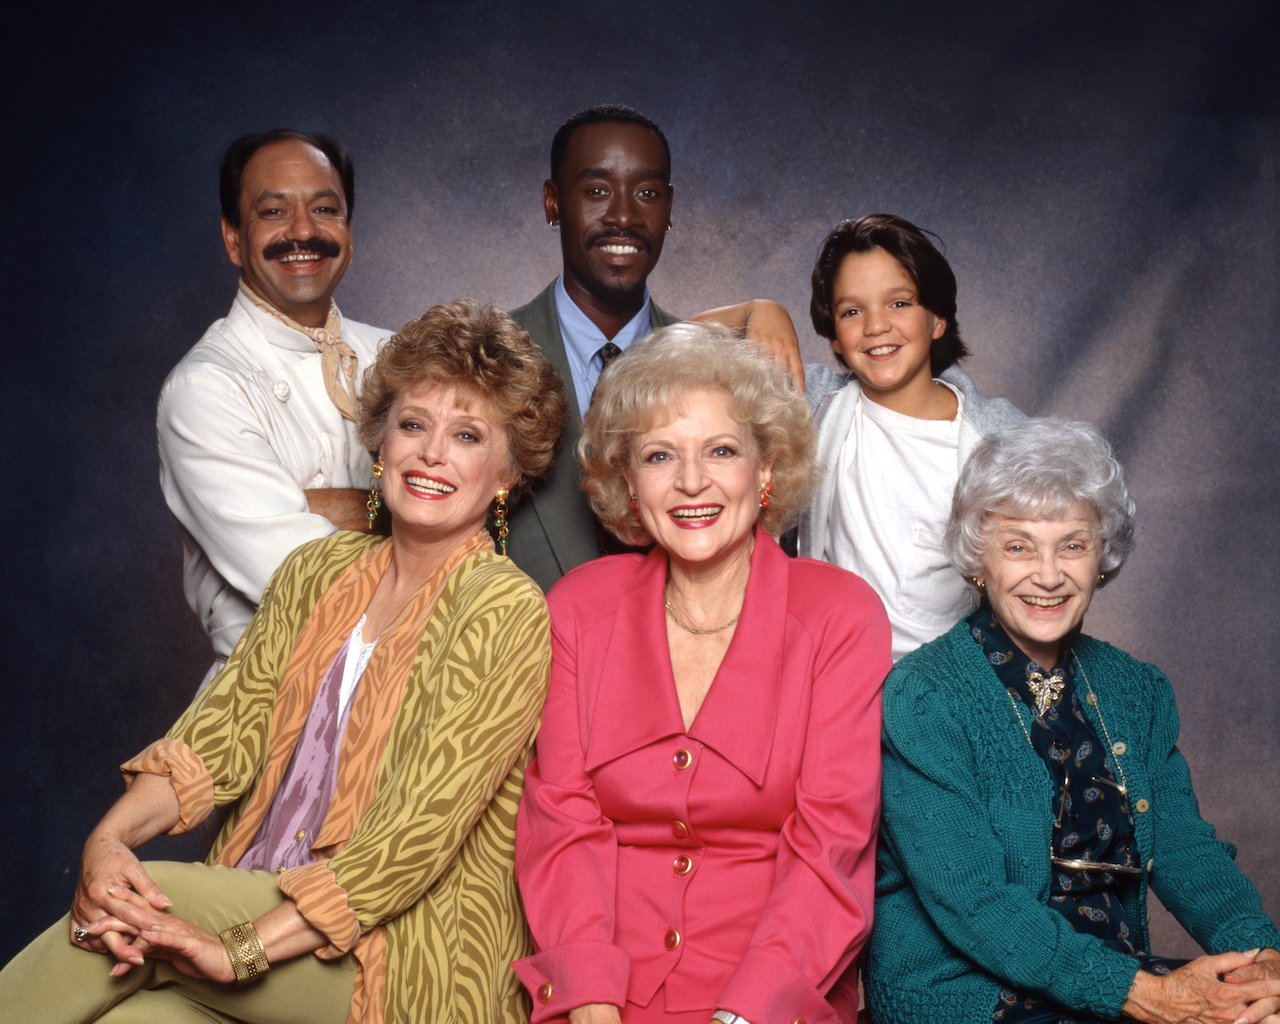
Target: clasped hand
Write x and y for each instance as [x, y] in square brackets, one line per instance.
[1265, 971]
[127, 916]
[1229, 988]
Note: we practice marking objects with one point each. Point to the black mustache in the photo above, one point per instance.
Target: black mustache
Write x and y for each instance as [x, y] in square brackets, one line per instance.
[614, 235]
[319, 246]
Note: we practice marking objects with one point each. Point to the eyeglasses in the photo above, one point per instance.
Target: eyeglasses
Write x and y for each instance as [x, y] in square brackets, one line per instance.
[1078, 864]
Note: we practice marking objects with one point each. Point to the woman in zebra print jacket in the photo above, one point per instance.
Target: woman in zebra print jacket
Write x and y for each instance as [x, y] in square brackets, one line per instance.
[370, 733]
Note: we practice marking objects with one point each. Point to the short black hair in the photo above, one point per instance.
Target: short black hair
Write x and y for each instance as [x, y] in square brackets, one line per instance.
[602, 113]
[935, 281]
[241, 151]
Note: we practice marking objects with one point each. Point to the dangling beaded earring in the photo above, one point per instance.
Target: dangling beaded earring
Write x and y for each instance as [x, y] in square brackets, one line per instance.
[979, 582]
[766, 494]
[374, 504]
[500, 518]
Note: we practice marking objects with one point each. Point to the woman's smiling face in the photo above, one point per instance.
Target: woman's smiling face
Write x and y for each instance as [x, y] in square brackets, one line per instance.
[1040, 576]
[697, 477]
[445, 454]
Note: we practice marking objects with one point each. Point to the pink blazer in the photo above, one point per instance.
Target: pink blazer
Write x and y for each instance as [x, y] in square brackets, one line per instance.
[733, 863]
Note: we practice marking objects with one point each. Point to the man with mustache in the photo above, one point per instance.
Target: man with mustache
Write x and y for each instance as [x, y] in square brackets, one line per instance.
[609, 196]
[258, 444]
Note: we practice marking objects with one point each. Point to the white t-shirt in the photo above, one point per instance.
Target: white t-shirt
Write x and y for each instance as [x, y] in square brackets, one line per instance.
[892, 499]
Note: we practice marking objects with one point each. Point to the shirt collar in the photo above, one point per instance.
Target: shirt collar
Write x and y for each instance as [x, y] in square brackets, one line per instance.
[276, 331]
[582, 339]
[1011, 666]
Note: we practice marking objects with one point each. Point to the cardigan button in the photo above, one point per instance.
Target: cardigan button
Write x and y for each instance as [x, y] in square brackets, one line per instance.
[682, 759]
[544, 993]
[1151, 865]
[1118, 748]
[672, 939]
[679, 829]
[1142, 807]
[682, 865]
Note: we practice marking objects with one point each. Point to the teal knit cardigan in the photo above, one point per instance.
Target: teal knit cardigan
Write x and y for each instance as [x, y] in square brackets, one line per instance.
[963, 866]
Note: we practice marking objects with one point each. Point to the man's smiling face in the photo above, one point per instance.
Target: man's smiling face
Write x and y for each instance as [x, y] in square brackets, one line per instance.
[612, 199]
[293, 242]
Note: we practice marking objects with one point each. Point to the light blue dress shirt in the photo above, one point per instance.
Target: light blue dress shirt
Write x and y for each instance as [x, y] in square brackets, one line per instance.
[583, 339]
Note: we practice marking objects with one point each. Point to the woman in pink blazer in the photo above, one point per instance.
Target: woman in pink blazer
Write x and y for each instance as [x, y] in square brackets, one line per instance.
[696, 837]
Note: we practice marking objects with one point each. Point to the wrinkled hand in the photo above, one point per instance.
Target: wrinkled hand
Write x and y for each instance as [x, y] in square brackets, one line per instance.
[1198, 994]
[1265, 967]
[192, 950]
[106, 864]
[769, 325]
[595, 1013]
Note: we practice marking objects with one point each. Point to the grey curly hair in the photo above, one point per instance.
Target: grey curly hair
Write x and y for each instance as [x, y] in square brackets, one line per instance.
[1036, 469]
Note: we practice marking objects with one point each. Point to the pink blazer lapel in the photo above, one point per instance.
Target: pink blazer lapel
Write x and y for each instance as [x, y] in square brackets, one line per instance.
[636, 699]
[739, 716]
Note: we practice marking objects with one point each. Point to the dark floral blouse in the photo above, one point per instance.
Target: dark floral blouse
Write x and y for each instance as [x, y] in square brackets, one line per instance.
[1091, 819]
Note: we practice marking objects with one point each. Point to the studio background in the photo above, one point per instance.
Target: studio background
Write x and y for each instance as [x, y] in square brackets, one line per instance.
[1103, 175]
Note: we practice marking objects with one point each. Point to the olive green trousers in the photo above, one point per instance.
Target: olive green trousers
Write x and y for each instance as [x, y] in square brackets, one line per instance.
[53, 981]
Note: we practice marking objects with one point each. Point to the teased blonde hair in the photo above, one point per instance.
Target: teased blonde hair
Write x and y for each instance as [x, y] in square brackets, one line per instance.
[643, 387]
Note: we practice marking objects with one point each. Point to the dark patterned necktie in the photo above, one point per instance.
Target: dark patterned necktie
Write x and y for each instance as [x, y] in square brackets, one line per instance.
[607, 352]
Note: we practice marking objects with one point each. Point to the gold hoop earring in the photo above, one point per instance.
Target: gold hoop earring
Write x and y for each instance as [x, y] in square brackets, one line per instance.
[500, 525]
[374, 504]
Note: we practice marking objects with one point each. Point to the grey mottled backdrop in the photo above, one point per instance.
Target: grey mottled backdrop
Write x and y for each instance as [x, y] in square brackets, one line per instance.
[1104, 176]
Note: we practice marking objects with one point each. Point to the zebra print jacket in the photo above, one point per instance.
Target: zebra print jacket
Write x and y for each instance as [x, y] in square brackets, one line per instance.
[419, 888]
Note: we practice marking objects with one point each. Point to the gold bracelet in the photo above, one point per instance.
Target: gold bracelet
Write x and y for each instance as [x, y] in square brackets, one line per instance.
[248, 958]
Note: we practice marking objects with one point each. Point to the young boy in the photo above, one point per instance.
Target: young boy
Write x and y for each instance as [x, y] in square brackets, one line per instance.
[895, 429]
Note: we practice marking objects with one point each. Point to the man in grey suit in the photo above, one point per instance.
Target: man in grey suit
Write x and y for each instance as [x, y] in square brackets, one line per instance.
[609, 195]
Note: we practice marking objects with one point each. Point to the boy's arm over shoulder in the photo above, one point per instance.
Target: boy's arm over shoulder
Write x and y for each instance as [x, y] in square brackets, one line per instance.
[820, 381]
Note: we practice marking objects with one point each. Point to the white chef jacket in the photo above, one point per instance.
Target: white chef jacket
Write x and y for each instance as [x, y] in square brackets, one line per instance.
[245, 425]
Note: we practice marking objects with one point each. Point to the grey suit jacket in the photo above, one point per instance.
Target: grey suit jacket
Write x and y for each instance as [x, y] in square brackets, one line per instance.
[552, 528]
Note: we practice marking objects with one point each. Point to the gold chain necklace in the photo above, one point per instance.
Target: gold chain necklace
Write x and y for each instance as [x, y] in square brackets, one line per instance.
[696, 630]
[1091, 698]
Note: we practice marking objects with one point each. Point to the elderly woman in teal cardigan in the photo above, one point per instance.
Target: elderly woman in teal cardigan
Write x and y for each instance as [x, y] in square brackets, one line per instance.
[1033, 788]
